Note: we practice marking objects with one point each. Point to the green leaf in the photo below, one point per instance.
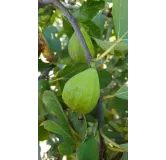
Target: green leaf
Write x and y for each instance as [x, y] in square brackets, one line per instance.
[99, 20]
[104, 78]
[49, 30]
[120, 17]
[66, 73]
[110, 155]
[53, 42]
[68, 144]
[42, 111]
[120, 105]
[52, 104]
[88, 10]
[125, 146]
[115, 126]
[119, 54]
[52, 19]
[112, 134]
[106, 44]
[62, 127]
[71, 157]
[68, 28]
[66, 61]
[51, 117]
[80, 126]
[88, 150]
[92, 29]
[43, 85]
[71, 70]
[41, 65]
[122, 92]
[125, 154]
[110, 142]
[43, 134]
[46, 16]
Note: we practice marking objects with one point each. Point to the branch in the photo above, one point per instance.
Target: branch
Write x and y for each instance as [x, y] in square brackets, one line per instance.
[109, 30]
[99, 110]
[100, 126]
[74, 24]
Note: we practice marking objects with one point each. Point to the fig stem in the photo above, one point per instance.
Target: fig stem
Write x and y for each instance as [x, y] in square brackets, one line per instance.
[75, 26]
[81, 117]
[110, 48]
[108, 97]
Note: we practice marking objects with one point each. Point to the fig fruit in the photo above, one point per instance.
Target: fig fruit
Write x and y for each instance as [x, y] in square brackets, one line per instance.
[75, 48]
[82, 91]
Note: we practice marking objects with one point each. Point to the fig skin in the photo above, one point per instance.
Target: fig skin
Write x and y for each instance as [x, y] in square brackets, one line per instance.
[82, 91]
[75, 49]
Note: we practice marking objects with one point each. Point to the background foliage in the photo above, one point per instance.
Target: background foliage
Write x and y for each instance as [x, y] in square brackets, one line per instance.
[106, 22]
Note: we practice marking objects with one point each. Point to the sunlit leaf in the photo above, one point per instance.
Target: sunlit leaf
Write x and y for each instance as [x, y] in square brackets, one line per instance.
[62, 127]
[106, 44]
[120, 17]
[68, 144]
[88, 10]
[122, 92]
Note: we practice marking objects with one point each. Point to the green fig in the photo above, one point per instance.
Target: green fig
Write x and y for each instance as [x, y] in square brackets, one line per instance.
[75, 48]
[82, 91]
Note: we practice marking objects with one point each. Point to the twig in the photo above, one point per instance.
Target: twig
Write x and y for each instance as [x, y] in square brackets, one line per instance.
[111, 47]
[100, 126]
[109, 30]
[101, 149]
[108, 33]
[108, 97]
[74, 24]
[99, 110]
[45, 73]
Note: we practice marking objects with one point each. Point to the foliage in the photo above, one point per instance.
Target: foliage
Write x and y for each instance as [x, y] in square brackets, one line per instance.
[59, 126]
